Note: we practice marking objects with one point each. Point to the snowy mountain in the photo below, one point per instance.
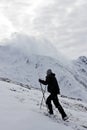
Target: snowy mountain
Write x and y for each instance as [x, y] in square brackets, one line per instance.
[20, 95]
[33, 33]
[81, 70]
[21, 67]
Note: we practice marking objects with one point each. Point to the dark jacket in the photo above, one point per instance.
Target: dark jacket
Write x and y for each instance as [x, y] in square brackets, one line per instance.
[52, 83]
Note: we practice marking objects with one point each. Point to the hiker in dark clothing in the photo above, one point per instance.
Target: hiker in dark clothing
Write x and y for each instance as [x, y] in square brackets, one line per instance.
[53, 89]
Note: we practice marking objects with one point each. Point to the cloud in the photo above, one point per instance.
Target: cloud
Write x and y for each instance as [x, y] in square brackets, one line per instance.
[31, 45]
[62, 22]
[6, 27]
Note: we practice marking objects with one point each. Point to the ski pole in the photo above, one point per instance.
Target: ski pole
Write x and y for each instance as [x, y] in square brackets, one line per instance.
[43, 92]
[43, 98]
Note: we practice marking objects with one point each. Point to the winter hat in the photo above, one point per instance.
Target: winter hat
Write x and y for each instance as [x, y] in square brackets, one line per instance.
[49, 71]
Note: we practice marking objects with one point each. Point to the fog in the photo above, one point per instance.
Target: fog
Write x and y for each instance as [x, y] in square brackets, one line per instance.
[61, 22]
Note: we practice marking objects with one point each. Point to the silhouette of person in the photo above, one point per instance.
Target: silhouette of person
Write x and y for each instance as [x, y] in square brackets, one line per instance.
[53, 89]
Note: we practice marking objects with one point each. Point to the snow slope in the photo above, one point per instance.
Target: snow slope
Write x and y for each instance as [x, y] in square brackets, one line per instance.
[20, 110]
[20, 67]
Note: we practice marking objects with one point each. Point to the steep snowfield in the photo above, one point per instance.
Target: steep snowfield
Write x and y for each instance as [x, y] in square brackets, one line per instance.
[81, 70]
[20, 110]
[20, 67]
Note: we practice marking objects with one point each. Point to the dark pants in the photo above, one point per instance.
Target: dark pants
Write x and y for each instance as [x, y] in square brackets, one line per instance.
[55, 100]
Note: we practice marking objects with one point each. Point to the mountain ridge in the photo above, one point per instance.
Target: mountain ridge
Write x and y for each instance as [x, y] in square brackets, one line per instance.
[27, 69]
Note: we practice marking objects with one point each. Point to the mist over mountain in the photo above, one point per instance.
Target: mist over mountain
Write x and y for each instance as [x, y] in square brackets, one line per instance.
[26, 68]
[32, 45]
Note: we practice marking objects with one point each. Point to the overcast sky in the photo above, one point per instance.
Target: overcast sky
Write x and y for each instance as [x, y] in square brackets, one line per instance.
[62, 22]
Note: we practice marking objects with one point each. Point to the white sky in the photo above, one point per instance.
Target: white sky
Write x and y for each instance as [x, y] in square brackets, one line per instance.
[63, 22]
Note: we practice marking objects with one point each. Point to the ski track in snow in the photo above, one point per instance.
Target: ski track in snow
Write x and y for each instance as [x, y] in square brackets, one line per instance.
[76, 110]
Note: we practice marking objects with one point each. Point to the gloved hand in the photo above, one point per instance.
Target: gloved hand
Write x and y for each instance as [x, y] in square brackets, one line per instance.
[39, 80]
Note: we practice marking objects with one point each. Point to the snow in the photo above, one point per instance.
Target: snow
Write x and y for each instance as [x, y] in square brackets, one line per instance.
[20, 67]
[20, 94]
[33, 34]
[20, 110]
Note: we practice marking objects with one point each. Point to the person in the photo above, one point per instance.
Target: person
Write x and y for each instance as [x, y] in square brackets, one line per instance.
[54, 90]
